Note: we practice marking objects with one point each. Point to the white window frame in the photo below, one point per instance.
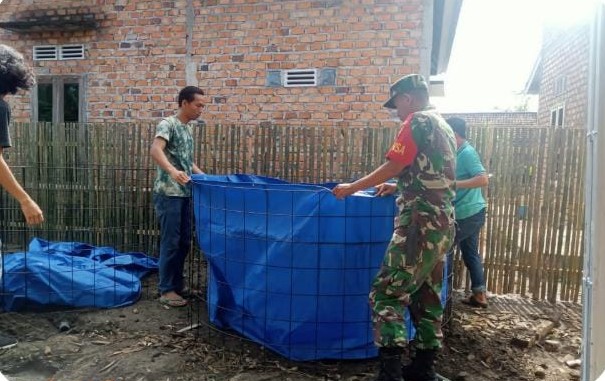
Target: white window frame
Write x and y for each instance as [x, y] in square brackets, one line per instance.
[557, 117]
[58, 81]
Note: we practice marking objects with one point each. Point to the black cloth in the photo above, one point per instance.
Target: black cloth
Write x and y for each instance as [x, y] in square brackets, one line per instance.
[5, 119]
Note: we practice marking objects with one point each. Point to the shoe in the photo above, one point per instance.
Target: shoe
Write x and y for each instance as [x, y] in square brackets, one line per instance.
[173, 302]
[474, 302]
[422, 367]
[7, 341]
[390, 364]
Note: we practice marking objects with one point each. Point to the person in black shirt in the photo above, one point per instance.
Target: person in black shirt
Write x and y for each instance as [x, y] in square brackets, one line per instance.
[14, 75]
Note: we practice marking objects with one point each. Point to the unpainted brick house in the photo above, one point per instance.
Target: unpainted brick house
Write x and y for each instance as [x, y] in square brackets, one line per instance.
[296, 62]
[560, 77]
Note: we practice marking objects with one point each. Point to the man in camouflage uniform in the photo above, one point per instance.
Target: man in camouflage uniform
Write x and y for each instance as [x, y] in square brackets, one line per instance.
[172, 151]
[423, 158]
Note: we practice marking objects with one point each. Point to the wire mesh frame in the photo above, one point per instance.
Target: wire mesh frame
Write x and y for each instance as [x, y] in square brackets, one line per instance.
[228, 256]
[279, 265]
[101, 184]
[76, 216]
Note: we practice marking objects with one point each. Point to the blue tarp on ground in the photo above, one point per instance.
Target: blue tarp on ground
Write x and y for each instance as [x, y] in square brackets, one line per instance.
[289, 266]
[71, 275]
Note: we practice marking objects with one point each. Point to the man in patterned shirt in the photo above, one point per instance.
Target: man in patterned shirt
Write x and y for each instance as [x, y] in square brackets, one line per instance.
[423, 158]
[172, 151]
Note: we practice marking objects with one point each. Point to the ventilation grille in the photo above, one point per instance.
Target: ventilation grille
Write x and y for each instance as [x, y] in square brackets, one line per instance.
[45, 53]
[300, 78]
[62, 52]
[72, 52]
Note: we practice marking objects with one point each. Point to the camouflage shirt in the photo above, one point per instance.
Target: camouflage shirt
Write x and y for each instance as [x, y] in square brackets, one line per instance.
[427, 146]
[179, 151]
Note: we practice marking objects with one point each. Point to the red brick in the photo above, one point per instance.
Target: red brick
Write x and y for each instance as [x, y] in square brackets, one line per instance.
[367, 49]
[565, 53]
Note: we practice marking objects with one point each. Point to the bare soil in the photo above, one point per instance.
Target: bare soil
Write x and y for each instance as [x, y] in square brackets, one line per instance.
[143, 342]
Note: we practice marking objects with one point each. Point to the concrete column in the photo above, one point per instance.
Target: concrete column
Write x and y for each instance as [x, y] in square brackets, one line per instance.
[190, 65]
[427, 38]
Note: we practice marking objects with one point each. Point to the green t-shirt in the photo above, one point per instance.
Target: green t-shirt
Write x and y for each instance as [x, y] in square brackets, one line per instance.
[179, 151]
[468, 202]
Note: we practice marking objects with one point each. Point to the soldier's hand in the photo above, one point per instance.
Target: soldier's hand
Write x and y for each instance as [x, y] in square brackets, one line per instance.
[343, 190]
[386, 189]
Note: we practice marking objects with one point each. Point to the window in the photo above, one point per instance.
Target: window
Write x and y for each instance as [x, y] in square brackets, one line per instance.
[557, 116]
[45, 102]
[71, 102]
[560, 85]
[553, 118]
[58, 99]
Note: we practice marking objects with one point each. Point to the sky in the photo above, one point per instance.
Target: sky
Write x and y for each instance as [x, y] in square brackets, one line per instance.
[496, 45]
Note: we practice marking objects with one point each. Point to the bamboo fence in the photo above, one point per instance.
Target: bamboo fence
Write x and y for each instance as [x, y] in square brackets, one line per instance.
[94, 182]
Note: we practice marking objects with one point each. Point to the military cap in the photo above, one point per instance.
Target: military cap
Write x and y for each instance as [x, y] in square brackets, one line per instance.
[405, 85]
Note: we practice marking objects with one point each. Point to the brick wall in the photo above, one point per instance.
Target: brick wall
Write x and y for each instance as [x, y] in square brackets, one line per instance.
[565, 54]
[496, 118]
[140, 56]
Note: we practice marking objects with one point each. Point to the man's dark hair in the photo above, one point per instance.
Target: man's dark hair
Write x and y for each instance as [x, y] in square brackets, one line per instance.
[188, 94]
[458, 125]
[15, 74]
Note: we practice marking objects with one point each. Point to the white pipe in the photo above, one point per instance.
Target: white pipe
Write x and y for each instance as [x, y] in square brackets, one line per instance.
[592, 361]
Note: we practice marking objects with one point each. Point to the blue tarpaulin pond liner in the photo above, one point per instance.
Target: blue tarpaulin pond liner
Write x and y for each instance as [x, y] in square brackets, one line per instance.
[289, 265]
[71, 275]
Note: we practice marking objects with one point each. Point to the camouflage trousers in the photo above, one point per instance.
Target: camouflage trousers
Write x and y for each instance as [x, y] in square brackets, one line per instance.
[411, 276]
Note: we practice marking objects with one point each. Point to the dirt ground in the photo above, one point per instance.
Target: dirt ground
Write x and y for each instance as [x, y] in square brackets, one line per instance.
[143, 342]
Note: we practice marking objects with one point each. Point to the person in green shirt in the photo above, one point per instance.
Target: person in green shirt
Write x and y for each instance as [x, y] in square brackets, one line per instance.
[470, 210]
[172, 151]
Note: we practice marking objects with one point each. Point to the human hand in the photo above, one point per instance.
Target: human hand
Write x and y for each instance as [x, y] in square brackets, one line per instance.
[343, 190]
[180, 177]
[386, 189]
[32, 212]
